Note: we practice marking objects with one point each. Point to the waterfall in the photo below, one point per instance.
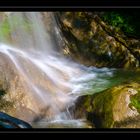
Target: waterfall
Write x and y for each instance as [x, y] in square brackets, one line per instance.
[49, 83]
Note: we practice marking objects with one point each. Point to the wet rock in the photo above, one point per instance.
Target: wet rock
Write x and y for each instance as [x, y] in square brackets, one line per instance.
[132, 122]
[114, 107]
[13, 98]
[7, 121]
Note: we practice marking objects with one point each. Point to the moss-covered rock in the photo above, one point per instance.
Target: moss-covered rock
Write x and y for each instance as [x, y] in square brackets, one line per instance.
[111, 107]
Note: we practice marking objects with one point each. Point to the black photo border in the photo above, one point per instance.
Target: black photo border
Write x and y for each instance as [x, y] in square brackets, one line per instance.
[69, 5]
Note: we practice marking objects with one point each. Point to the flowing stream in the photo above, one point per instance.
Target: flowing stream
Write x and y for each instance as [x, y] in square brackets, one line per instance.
[50, 82]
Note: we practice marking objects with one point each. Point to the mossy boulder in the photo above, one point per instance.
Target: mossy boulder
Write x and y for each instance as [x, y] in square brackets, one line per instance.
[91, 41]
[112, 107]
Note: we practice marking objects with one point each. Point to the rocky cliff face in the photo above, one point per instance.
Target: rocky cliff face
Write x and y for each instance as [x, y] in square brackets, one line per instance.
[91, 41]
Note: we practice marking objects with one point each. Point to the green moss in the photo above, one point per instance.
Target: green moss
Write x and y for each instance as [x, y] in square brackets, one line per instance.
[135, 101]
[6, 30]
[102, 107]
[87, 104]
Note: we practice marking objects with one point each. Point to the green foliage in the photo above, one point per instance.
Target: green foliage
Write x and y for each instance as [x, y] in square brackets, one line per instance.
[127, 22]
[6, 29]
[135, 101]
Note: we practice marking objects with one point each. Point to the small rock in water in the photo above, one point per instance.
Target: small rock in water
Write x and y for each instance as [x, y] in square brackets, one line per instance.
[7, 121]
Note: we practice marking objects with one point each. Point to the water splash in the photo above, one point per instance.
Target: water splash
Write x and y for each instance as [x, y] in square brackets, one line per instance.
[50, 82]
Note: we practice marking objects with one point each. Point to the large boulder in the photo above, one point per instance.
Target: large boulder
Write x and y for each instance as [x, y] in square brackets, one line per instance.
[115, 107]
[13, 98]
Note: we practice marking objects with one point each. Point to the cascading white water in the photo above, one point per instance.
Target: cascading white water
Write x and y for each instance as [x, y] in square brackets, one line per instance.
[51, 82]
